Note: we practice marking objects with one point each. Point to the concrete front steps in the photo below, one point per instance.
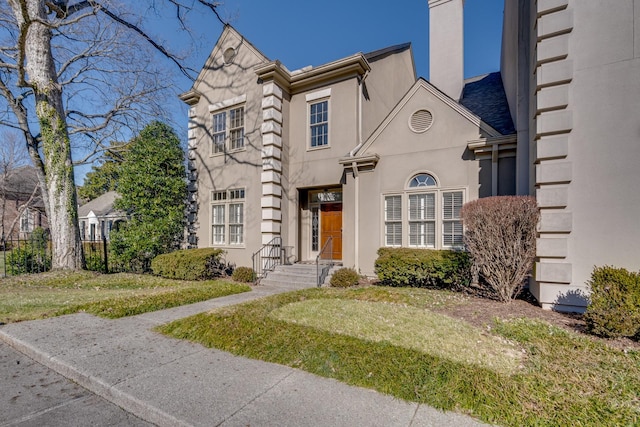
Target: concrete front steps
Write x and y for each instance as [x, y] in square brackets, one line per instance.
[294, 276]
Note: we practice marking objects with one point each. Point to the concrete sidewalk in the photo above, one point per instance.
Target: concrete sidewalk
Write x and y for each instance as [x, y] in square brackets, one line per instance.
[171, 382]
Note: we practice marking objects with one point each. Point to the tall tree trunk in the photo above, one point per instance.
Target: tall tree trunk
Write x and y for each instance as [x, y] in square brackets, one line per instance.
[59, 185]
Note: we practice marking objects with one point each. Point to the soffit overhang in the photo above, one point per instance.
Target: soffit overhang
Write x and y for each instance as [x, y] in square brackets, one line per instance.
[299, 81]
[190, 97]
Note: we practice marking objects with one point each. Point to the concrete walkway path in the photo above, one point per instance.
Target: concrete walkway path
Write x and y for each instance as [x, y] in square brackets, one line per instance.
[171, 382]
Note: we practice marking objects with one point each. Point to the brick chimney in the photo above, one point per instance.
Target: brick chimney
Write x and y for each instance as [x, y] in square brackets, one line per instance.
[446, 46]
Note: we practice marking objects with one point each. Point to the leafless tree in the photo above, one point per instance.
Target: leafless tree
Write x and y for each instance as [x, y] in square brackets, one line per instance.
[17, 192]
[74, 75]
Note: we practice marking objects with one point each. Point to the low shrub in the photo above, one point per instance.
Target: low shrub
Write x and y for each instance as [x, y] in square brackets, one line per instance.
[244, 275]
[500, 235]
[614, 306]
[94, 256]
[191, 264]
[33, 257]
[344, 278]
[426, 268]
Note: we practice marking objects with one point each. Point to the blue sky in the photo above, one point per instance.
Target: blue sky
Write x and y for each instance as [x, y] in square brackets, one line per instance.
[302, 32]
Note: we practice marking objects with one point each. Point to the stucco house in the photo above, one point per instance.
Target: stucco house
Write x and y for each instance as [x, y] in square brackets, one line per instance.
[98, 217]
[364, 153]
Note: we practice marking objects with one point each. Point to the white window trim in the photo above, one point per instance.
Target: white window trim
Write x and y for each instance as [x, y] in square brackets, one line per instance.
[226, 106]
[227, 216]
[439, 228]
[227, 103]
[385, 221]
[26, 218]
[315, 96]
[308, 138]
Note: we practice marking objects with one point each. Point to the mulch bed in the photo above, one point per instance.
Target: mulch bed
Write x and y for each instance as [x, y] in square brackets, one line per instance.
[482, 312]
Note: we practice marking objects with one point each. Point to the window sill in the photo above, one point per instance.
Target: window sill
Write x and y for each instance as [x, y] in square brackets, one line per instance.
[322, 147]
[242, 246]
[237, 150]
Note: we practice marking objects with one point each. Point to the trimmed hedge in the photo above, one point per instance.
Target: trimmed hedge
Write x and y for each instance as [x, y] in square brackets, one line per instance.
[424, 268]
[191, 264]
[344, 278]
[614, 306]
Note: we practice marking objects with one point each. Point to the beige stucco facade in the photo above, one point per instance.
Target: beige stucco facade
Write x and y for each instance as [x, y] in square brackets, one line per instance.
[346, 148]
[574, 88]
[291, 189]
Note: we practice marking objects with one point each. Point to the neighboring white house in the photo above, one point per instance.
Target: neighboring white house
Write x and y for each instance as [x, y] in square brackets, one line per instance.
[98, 217]
[365, 153]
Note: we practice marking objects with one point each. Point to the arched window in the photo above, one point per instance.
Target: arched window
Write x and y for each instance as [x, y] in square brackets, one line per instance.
[424, 215]
[422, 180]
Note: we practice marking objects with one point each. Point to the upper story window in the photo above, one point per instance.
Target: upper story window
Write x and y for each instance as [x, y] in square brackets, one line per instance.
[227, 125]
[228, 130]
[318, 110]
[319, 122]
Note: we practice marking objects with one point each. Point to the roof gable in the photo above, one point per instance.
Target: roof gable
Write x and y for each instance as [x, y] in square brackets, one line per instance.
[418, 86]
[229, 37]
[100, 206]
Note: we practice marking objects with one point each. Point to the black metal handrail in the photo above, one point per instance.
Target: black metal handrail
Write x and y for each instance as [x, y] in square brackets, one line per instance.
[321, 273]
[267, 257]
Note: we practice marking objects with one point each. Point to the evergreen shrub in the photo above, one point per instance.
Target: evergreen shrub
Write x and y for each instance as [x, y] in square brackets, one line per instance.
[614, 306]
[191, 264]
[33, 257]
[425, 268]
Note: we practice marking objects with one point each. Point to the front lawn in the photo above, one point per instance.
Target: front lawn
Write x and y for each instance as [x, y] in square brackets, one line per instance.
[518, 372]
[36, 296]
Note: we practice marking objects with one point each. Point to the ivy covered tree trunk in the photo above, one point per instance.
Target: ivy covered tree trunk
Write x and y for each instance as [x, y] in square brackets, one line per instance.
[59, 193]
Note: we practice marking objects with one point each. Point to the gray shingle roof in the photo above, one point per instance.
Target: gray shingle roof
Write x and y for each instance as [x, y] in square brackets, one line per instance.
[101, 206]
[384, 52]
[485, 97]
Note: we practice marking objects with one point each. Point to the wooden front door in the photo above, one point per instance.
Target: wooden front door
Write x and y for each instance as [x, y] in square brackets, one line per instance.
[331, 226]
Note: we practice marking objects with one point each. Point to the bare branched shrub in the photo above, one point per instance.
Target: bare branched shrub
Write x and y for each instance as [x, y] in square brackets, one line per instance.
[500, 234]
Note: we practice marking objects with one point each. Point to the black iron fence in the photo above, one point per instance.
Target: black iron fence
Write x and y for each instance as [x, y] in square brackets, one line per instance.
[33, 255]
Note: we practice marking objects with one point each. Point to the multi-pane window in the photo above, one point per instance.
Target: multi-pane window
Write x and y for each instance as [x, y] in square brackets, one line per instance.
[422, 220]
[231, 120]
[393, 220]
[219, 131]
[236, 128]
[422, 180]
[227, 217]
[432, 216]
[319, 123]
[27, 223]
[451, 221]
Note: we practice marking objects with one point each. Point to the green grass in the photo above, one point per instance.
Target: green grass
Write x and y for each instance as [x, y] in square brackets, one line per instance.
[562, 380]
[3, 254]
[405, 326]
[37, 296]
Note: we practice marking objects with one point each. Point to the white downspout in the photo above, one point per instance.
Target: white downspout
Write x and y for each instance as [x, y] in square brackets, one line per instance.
[360, 96]
[354, 166]
[356, 233]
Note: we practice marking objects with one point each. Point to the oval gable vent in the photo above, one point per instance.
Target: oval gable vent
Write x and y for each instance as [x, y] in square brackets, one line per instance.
[228, 55]
[421, 121]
